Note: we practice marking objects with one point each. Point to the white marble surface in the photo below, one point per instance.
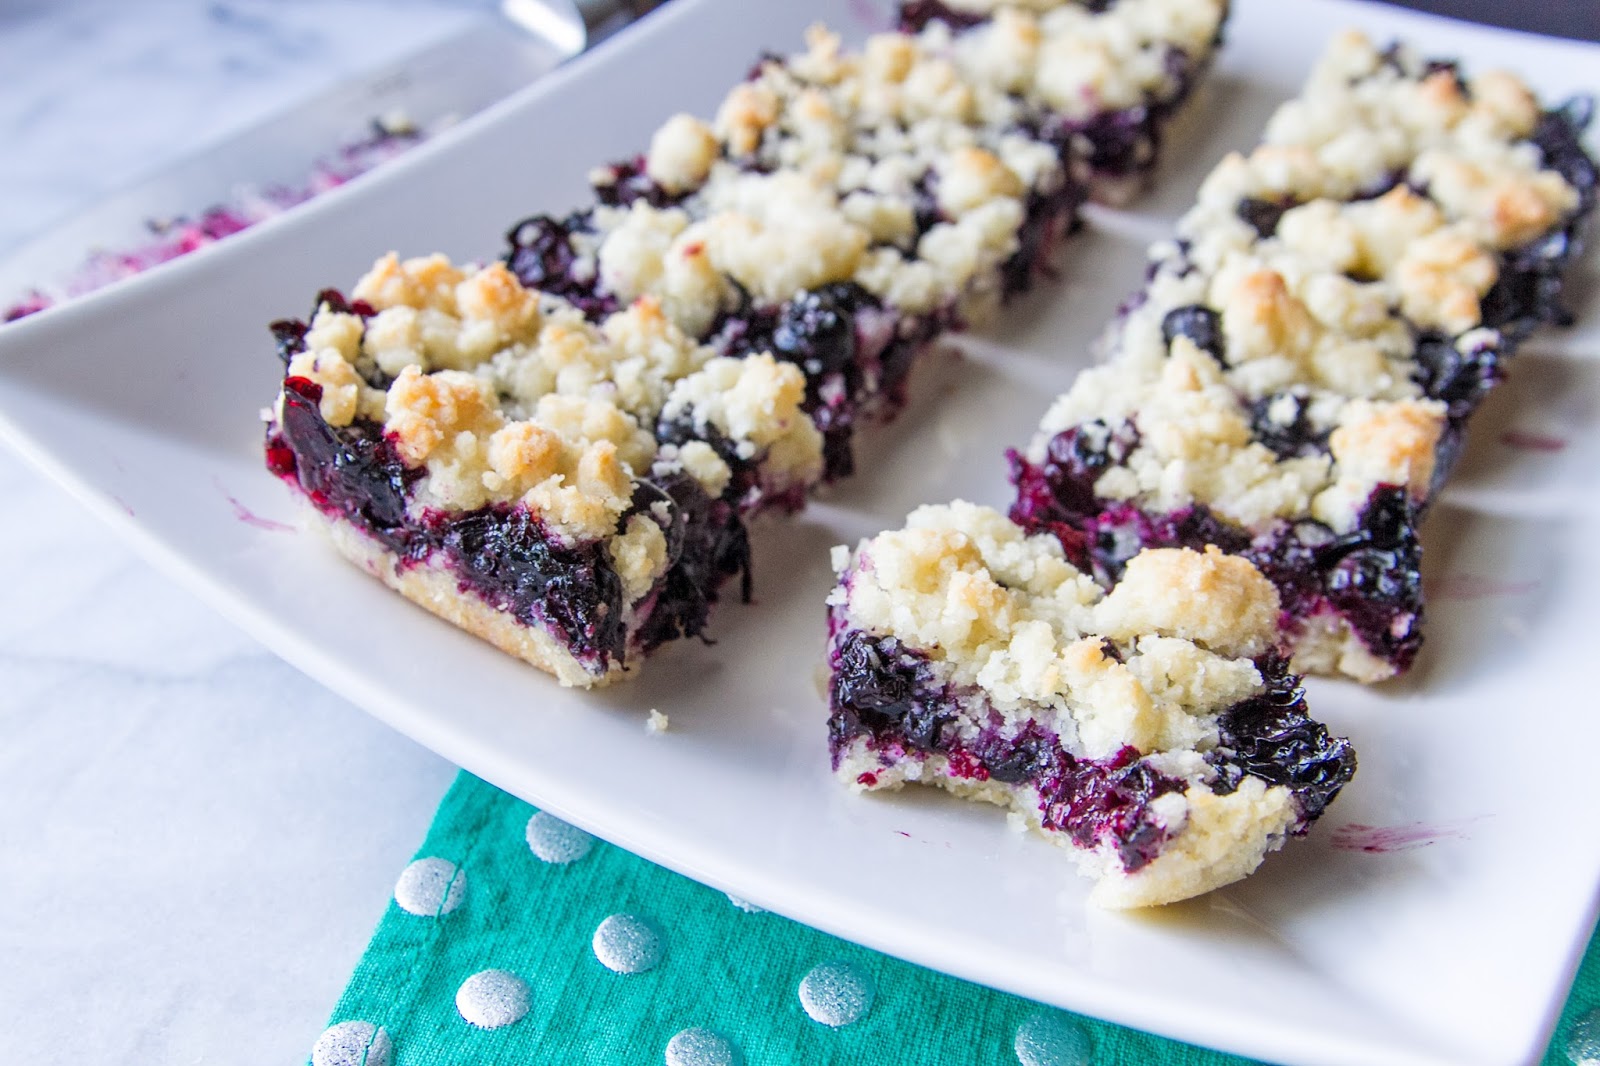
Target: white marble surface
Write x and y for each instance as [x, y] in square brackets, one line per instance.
[195, 840]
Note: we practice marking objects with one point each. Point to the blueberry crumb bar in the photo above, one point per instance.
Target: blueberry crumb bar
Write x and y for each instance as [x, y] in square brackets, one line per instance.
[572, 492]
[1293, 381]
[1146, 724]
[1103, 78]
[842, 210]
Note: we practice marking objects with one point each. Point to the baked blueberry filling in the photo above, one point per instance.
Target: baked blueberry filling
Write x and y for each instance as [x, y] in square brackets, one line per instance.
[1370, 577]
[707, 544]
[889, 698]
[505, 555]
[543, 258]
[353, 472]
[1270, 736]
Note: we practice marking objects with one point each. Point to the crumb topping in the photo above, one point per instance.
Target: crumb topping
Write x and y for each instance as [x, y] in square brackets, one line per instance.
[1211, 598]
[756, 403]
[426, 283]
[1194, 440]
[1077, 60]
[1367, 110]
[502, 395]
[681, 153]
[639, 556]
[345, 396]
[1148, 664]
[814, 170]
[1368, 113]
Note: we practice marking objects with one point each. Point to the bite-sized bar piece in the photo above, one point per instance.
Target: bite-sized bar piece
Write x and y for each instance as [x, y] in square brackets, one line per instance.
[1294, 380]
[842, 210]
[570, 491]
[1145, 724]
[1101, 79]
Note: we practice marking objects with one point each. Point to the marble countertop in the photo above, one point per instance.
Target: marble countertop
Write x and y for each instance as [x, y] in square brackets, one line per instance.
[197, 838]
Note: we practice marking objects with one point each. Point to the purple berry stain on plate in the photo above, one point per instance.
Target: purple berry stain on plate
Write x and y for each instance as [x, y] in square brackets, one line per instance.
[1387, 839]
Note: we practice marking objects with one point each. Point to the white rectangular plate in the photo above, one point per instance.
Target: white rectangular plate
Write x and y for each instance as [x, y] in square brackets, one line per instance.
[143, 400]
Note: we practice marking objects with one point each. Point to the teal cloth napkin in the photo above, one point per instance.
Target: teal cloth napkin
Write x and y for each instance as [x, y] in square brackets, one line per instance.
[562, 949]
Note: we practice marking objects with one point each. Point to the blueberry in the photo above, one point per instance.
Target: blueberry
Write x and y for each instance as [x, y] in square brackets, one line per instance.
[1559, 137]
[1452, 68]
[1263, 215]
[1092, 800]
[353, 472]
[1271, 737]
[289, 334]
[684, 428]
[881, 688]
[1279, 421]
[620, 184]
[1200, 324]
[917, 15]
[1460, 378]
[817, 329]
[707, 543]
[506, 555]
[1057, 496]
[542, 257]
[1373, 575]
[925, 210]
[1024, 758]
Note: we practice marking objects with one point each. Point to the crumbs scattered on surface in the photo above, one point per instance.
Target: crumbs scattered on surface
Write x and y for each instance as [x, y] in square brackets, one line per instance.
[1384, 839]
[656, 723]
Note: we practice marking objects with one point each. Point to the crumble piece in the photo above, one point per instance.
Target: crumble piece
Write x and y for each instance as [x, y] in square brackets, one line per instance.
[1145, 726]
